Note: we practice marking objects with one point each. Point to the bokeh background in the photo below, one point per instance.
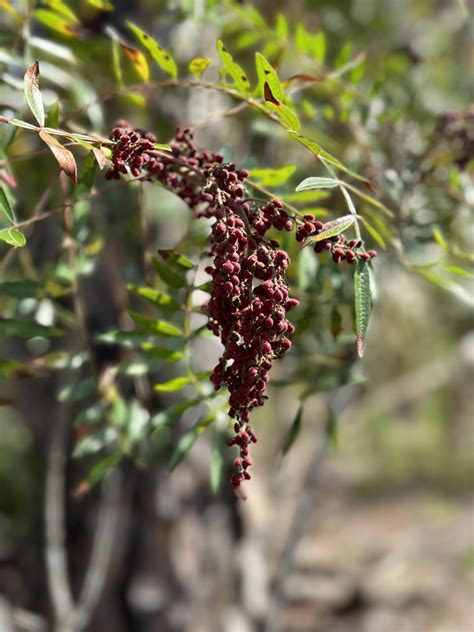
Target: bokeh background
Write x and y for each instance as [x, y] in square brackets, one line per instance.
[371, 530]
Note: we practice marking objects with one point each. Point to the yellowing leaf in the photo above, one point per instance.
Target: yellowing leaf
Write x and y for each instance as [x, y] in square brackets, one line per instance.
[64, 157]
[162, 58]
[138, 60]
[32, 92]
[198, 65]
[55, 22]
[61, 7]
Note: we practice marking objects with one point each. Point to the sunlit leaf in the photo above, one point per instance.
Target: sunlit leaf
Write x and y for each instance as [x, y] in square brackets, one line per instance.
[103, 5]
[156, 327]
[318, 46]
[317, 183]
[13, 237]
[331, 229]
[176, 384]
[160, 56]
[64, 157]
[138, 60]
[159, 299]
[62, 8]
[440, 240]
[116, 66]
[267, 74]
[56, 22]
[32, 92]
[198, 65]
[362, 303]
[273, 177]
[231, 68]
[54, 112]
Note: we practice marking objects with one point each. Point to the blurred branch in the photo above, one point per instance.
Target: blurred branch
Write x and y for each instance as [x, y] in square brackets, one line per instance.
[297, 528]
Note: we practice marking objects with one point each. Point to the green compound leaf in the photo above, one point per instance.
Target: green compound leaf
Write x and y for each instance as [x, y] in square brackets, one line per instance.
[198, 65]
[159, 299]
[176, 384]
[331, 229]
[32, 92]
[267, 74]
[317, 183]
[159, 55]
[229, 67]
[362, 303]
[13, 237]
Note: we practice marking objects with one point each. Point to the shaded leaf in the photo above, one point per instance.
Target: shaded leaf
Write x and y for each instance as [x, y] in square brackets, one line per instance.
[13, 237]
[32, 92]
[64, 157]
[317, 183]
[168, 355]
[26, 329]
[103, 467]
[5, 205]
[169, 276]
[216, 465]
[79, 390]
[198, 65]
[188, 439]
[294, 430]
[19, 289]
[160, 56]
[231, 68]
[362, 303]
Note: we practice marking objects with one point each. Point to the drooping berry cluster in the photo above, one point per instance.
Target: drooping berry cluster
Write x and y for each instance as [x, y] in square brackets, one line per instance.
[340, 248]
[249, 298]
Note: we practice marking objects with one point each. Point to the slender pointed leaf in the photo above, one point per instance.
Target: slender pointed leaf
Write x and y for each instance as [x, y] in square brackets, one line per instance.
[362, 303]
[160, 56]
[32, 92]
[231, 68]
[317, 183]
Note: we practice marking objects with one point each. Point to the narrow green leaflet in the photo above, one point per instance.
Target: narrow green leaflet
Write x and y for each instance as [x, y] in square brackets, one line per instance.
[294, 430]
[376, 236]
[103, 467]
[159, 299]
[61, 7]
[317, 183]
[188, 440]
[267, 74]
[231, 68]
[287, 116]
[330, 229]
[198, 65]
[20, 289]
[32, 92]
[273, 177]
[162, 58]
[116, 65]
[440, 240]
[6, 206]
[168, 355]
[362, 303]
[216, 465]
[169, 276]
[13, 237]
[156, 327]
[176, 384]
[456, 270]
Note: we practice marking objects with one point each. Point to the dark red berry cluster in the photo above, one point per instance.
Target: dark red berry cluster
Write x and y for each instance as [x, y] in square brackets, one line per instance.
[249, 298]
[340, 248]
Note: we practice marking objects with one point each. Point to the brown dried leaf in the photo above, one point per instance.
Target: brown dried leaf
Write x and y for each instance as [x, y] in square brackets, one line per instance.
[64, 157]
